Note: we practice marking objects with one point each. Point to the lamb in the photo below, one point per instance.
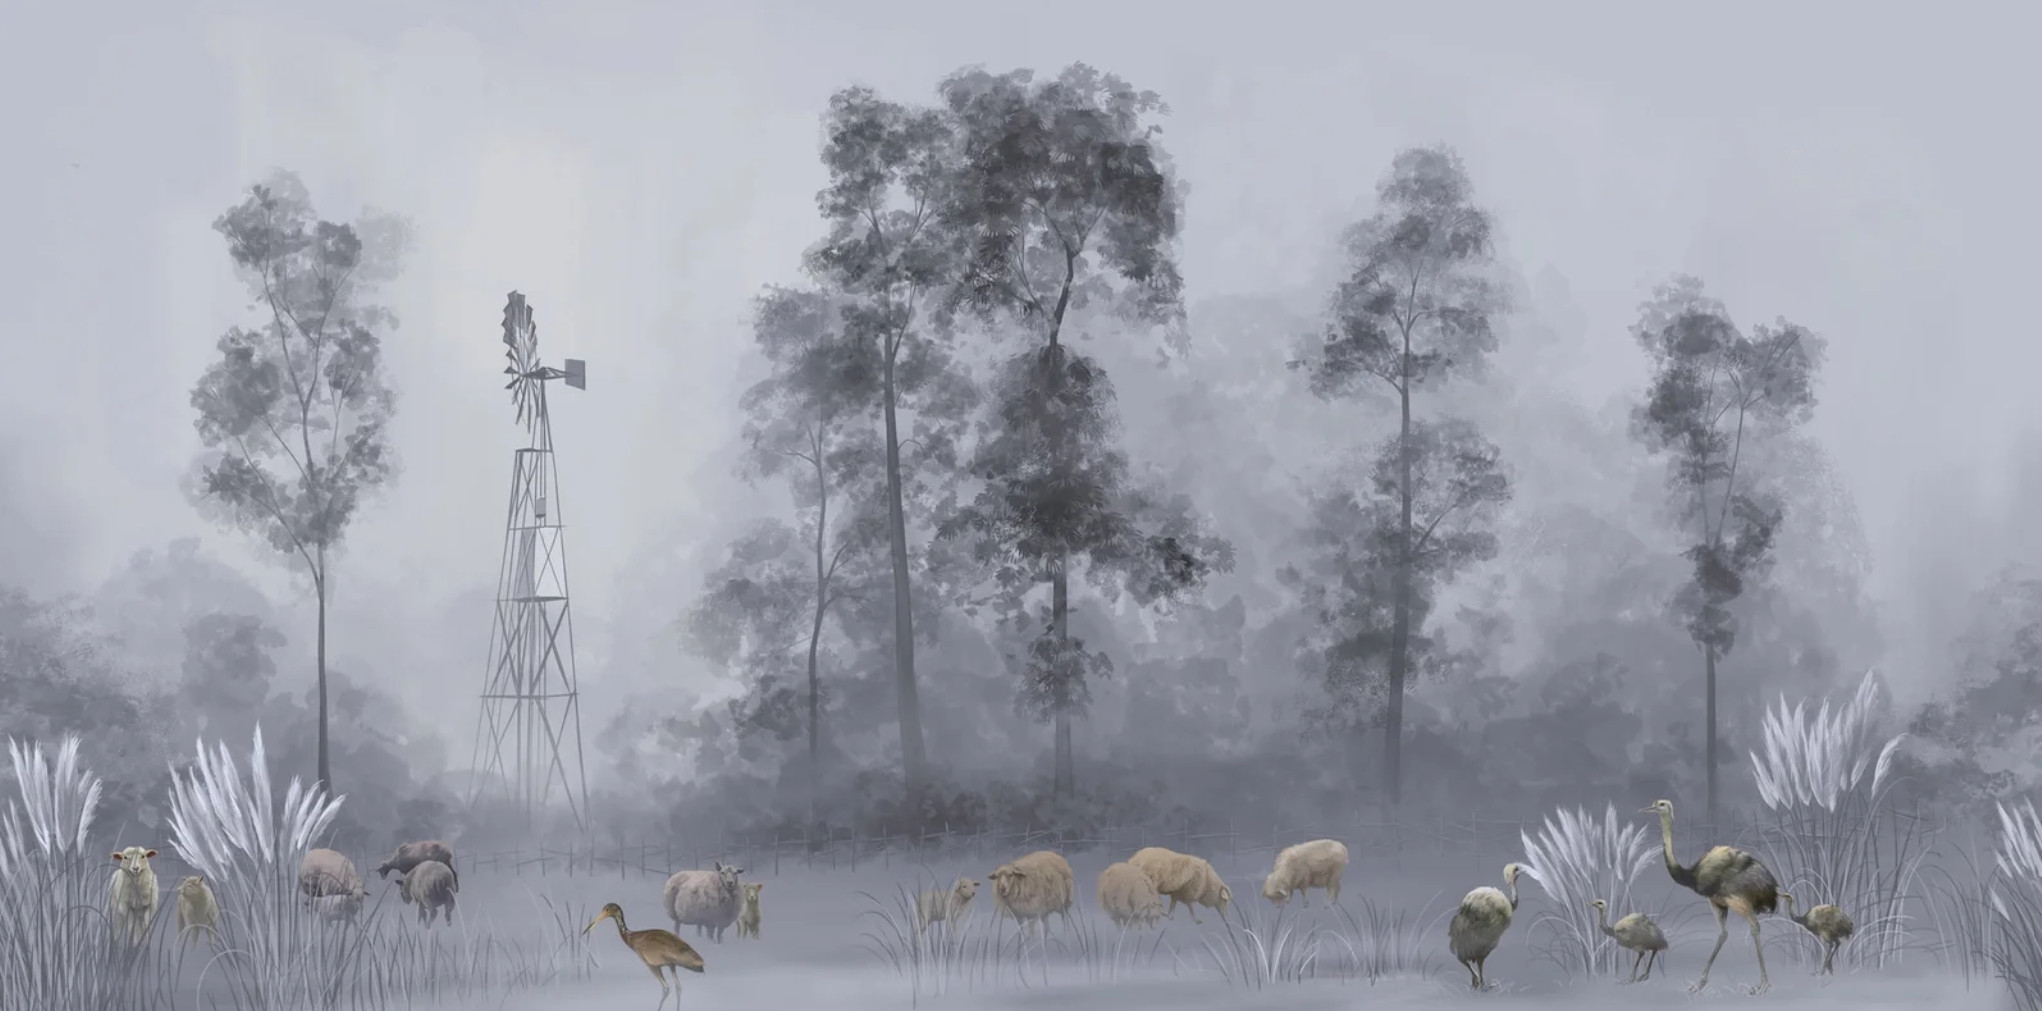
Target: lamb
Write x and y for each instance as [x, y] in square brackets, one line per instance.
[131, 896]
[330, 884]
[1033, 887]
[1309, 865]
[748, 914]
[1186, 880]
[198, 912]
[952, 905]
[412, 854]
[710, 900]
[431, 884]
[1128, 896]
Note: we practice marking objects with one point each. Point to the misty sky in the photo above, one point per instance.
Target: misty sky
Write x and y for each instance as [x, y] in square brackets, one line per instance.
[640, 169]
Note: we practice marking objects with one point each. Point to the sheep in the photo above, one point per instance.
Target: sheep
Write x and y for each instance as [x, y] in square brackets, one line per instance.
[330, 885]
[1128, 896]
[1031, 888]
[1186, 880]
[412, 854]
[708, 899]
[131, 896]
[951, 906]
[1301, 868]
[197, 910]
[431, 884]
[748, 914]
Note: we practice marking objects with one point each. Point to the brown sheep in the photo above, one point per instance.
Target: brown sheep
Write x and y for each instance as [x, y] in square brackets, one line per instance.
[198, 912]
[412, 854]
[431, 885]
[330, 884]
[1317, 864]
[1033, 887]
[1185, 880]
[1128, 896]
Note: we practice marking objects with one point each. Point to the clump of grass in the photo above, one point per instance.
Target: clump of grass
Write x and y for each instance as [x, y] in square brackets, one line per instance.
[2016, 897]
[406, 964]
[1261, 945]
[1392, 945]
[983, 951]
[1832, 835]
[1576, 859]
[1960, 908]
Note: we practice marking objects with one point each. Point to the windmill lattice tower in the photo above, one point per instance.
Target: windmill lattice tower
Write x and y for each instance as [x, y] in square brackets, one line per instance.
[528, 737]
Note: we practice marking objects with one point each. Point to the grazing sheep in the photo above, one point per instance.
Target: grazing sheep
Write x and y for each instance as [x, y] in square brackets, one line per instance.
[1301, 868]
[330, 885]
[1185, 880]
[412, 854]
[132, 895]
[1128, 896]
[431, 885]
[710, 900]
[748, 914]
[1033, 887]
[197, 910]
[952, 905]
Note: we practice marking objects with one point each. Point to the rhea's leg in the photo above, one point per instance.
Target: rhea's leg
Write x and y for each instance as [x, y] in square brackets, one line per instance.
[1633, 977]
[1722, 934]
[1829, 960]
[1763, 983]
[1651, 958]
[1482, 972]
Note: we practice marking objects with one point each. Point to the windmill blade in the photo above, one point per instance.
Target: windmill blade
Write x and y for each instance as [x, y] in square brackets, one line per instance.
[521, 350]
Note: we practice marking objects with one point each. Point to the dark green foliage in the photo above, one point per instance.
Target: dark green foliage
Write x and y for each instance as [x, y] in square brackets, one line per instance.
[1063, 198]
[754, 622]
[294, 412]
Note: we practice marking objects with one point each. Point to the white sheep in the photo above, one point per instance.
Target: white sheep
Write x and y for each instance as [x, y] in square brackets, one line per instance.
[1308, 865]
[1184, 879]
[1128, 896]
[330, 885]
[198, 912]
[1033, 887]
[431, 886]
[132, 895]
[710, 900]
[951, 905]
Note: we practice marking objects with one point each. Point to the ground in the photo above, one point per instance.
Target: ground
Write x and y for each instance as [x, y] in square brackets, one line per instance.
[819, 927]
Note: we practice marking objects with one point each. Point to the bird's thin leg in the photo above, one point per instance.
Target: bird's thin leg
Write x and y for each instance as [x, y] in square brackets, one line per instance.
[1482, 971]
[1650, 958]
[1829, 960]
[1474, 981]
[1763, 983]
[1722, 934]
[1633, 977]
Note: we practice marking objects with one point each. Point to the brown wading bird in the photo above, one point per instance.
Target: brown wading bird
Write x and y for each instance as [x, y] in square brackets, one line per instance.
[1635, 932]
[1829, 925]
[658, 949]
[1479, 925]
[1730, 879]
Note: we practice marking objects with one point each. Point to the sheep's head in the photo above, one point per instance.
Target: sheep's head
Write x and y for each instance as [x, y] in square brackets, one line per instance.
[1003, 879]
[1272, 892]
[1226, 899]
[751, 892]
[729, 873]
[134, 859]
[193, 886]
[965, 888]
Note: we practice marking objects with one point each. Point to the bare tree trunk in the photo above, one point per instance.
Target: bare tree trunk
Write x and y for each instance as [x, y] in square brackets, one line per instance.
[1400, 621]
[1709, 720]
[319, 588]
[913, 757]
[822, 523]
[1064, 782]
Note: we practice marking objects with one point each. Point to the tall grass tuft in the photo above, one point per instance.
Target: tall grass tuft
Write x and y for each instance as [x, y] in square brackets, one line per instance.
[2017, 905]
[1576, 859]
[248, 846]
[55, 943]
[1831, 833]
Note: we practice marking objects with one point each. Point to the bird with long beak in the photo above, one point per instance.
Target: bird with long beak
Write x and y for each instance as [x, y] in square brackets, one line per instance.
[659, 949]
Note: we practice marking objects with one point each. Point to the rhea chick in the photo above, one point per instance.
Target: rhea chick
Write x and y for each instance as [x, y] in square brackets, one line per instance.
[1829, 924]
[1635, 932]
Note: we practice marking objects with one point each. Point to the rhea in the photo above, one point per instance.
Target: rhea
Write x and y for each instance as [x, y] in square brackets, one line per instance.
[1732, 880]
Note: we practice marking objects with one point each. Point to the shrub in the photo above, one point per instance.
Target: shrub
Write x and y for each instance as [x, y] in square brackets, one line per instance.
[1577, 859]
[2017, 905]
[1832, 835]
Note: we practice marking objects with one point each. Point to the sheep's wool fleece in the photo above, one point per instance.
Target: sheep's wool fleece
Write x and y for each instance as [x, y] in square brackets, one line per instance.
[1128, 896]
[698, 899]
[1178, 875]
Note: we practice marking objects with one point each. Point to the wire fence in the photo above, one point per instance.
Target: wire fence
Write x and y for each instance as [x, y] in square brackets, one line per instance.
[1476, 841]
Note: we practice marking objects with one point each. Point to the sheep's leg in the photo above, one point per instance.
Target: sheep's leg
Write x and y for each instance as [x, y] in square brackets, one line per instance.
[1764, 984]
[1333, 892]
[1722, 934]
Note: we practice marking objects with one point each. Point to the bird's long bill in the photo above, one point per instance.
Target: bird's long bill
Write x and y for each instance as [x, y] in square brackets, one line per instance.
[1649, 810]
[600, 917]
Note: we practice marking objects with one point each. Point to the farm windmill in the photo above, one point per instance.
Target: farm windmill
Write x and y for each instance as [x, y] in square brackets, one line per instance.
[529, 731]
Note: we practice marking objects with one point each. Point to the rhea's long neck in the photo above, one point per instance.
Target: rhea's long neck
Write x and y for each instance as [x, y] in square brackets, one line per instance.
[1602, 920]
[1512, 882]
[1666, 841]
